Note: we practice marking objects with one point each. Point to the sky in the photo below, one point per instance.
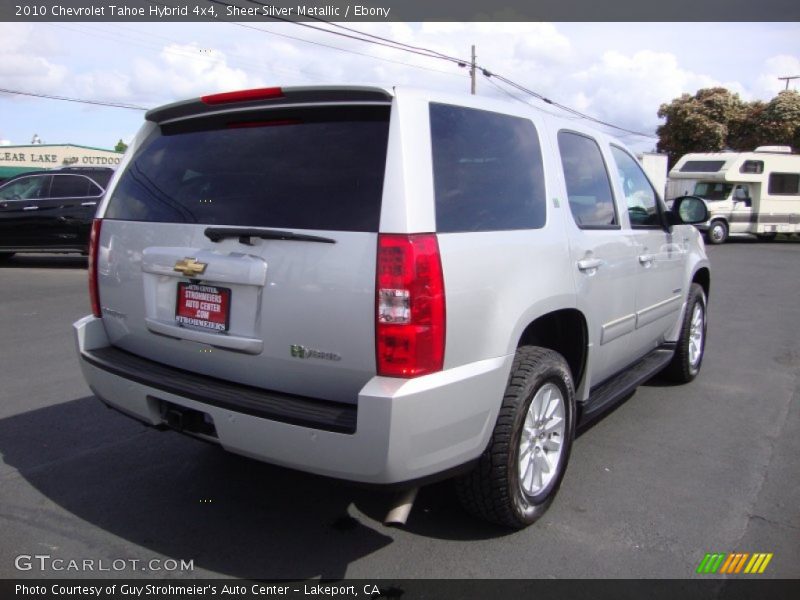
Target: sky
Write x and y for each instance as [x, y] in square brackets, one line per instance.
[618, 72]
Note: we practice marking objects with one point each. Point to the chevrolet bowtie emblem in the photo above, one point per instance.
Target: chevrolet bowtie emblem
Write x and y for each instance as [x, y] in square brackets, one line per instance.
[189, 267]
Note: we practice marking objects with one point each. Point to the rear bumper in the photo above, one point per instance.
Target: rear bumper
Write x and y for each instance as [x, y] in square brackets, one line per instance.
[399, 430]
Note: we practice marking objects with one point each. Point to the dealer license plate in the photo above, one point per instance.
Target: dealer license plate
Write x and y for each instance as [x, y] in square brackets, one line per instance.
[203, 306]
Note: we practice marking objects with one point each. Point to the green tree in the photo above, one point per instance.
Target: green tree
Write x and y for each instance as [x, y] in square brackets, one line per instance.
[746, 134]
[699, 123]
[121, 146]
[779, 122]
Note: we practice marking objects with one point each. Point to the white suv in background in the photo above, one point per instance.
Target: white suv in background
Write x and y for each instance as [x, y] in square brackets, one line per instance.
[388, 285]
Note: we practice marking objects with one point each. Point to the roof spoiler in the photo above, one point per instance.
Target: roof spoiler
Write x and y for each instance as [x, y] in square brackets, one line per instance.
[266, 98]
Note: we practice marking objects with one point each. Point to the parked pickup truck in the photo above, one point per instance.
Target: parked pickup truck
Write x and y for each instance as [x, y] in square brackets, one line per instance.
[388, 286]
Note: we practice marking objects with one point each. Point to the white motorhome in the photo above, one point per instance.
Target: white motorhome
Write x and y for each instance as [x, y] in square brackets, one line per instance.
[746, 192]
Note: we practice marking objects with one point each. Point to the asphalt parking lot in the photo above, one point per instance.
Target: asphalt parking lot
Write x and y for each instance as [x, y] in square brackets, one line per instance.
[672, 473]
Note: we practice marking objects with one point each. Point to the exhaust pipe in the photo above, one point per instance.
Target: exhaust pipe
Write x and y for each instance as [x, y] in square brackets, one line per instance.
[398, 514]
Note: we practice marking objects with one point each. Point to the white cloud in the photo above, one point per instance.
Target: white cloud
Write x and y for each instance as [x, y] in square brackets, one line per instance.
[628, 89]
[783, 65]
[186, 70]
[23, 62]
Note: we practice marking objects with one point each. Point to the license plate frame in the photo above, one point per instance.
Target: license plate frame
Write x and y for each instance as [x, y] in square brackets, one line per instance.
[210, 308]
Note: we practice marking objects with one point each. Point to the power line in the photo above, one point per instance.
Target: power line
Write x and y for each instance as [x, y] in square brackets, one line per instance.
[79, 100]
[338, 48]
[434, 54]
[378, 37]
[566, 108]
[360, 37]
[306, 41]
[526, 103]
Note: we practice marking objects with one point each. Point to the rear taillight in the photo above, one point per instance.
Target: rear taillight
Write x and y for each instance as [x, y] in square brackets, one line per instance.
[94, 244]
[243, 96]
[410, 320]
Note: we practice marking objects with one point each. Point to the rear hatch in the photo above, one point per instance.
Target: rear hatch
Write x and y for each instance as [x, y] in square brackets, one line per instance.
[240, 241]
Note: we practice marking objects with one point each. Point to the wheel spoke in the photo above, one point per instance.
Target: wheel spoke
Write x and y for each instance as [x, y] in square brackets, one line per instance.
[552, 444]
[537, 479]
[529, 430]
[528, 477]
[555, 423]
[544, 401]
[552, 407]
[529, 420]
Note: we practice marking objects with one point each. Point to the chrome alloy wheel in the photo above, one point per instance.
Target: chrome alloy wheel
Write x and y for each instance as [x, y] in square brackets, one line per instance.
[542, 439]
[717, 232]
[696, 332]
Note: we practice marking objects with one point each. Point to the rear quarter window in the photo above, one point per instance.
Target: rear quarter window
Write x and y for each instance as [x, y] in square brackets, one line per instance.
[487, 170]
[588, 186]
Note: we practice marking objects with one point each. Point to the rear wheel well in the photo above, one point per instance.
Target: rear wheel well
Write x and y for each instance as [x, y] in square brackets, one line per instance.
[563, 331]
[703, 277]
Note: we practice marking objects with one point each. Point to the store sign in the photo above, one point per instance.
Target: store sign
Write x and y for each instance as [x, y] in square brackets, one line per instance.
[51, 157]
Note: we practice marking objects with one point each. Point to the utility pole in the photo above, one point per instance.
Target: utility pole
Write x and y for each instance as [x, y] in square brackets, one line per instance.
[787, 79]
[472, 70]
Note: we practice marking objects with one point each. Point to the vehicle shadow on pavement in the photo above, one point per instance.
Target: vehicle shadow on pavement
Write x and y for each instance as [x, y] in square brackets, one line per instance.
[167, 494]
[45, 261]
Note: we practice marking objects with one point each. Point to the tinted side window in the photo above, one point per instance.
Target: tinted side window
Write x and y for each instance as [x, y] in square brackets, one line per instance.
[102, 178]
[69, 186]
[26, 188]
[588, 186]
[94, 189]
[640, 197]
[784, 184]
[487, 171]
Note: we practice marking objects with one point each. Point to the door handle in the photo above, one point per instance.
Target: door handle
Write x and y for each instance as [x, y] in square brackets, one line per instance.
[646, 259]
[88, 203]
[30, 208]
[589, 264]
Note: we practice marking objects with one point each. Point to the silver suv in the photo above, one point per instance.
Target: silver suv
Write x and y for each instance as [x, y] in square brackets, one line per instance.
[388, 286]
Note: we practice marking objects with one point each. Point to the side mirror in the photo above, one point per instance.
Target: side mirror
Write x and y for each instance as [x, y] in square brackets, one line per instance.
[688, 210]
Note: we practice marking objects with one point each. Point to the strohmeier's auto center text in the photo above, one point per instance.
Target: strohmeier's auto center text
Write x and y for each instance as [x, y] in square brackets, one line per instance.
[198, 590]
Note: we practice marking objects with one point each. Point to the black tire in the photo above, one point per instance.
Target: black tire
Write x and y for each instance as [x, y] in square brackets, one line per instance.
[682, 369]
[4, 256]
[767, 237]
[717, 232]
[492, 490]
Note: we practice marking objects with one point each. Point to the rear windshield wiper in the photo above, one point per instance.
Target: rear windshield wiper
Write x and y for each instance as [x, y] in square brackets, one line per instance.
[215, 234]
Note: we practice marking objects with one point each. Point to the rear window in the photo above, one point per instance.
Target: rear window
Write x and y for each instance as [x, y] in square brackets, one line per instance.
[487, 171]
[305, 170]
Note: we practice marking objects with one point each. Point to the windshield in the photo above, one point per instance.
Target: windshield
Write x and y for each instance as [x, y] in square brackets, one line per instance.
[713, 191]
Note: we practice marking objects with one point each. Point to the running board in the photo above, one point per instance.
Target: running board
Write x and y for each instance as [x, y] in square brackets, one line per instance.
[607, 394]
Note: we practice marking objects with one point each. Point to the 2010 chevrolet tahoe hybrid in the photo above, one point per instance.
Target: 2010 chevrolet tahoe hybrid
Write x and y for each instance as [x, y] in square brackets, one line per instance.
[388, 285]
